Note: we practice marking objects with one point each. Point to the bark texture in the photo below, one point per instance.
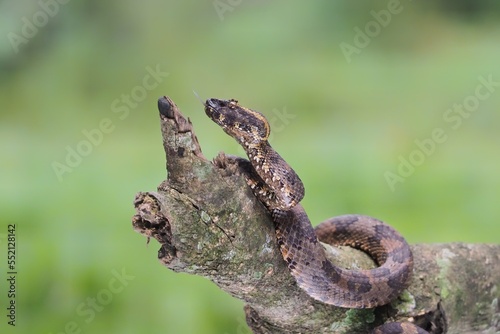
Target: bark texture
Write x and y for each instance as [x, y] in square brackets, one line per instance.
[209, 224]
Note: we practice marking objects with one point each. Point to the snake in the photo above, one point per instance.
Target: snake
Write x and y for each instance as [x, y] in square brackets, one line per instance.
[280, 189]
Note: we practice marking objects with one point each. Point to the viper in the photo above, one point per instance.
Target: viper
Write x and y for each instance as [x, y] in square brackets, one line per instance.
[280, 189]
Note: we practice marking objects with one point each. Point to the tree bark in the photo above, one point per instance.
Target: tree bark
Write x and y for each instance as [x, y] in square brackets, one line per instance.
[210, 224]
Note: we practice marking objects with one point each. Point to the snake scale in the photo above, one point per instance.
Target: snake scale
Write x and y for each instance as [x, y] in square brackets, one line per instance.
[280, 189]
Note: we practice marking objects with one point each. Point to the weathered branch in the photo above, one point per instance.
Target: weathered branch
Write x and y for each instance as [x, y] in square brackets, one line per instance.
[209, 223]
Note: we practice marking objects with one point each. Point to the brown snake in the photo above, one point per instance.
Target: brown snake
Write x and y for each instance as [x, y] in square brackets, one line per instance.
[280, 189]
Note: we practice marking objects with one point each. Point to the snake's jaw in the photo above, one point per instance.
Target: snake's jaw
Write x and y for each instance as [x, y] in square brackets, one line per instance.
[247, 126]
[211, 109]
[211, 105]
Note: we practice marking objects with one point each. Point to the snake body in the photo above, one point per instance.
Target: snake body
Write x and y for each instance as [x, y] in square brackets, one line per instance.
[280, 189]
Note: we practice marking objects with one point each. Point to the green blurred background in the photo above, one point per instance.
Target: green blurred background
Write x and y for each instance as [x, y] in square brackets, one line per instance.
[343, 121]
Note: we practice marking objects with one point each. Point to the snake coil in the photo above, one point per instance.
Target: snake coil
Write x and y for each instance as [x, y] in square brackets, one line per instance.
[280, 189]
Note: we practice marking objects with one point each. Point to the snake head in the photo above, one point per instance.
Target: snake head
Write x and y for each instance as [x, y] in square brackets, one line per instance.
[247, 126]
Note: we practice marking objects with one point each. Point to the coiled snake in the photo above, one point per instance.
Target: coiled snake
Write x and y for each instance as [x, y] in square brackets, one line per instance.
[278, 187]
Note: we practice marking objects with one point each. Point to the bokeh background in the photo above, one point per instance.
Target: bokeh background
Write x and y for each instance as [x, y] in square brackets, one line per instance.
[347, 110]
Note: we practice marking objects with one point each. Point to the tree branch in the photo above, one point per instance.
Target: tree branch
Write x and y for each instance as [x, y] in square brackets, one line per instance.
[210, 224]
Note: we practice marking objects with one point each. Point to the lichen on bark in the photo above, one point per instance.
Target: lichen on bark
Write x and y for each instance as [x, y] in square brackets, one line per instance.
[208, 223]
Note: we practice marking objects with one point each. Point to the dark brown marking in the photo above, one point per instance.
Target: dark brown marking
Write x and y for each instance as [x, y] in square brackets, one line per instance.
[280, 189]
